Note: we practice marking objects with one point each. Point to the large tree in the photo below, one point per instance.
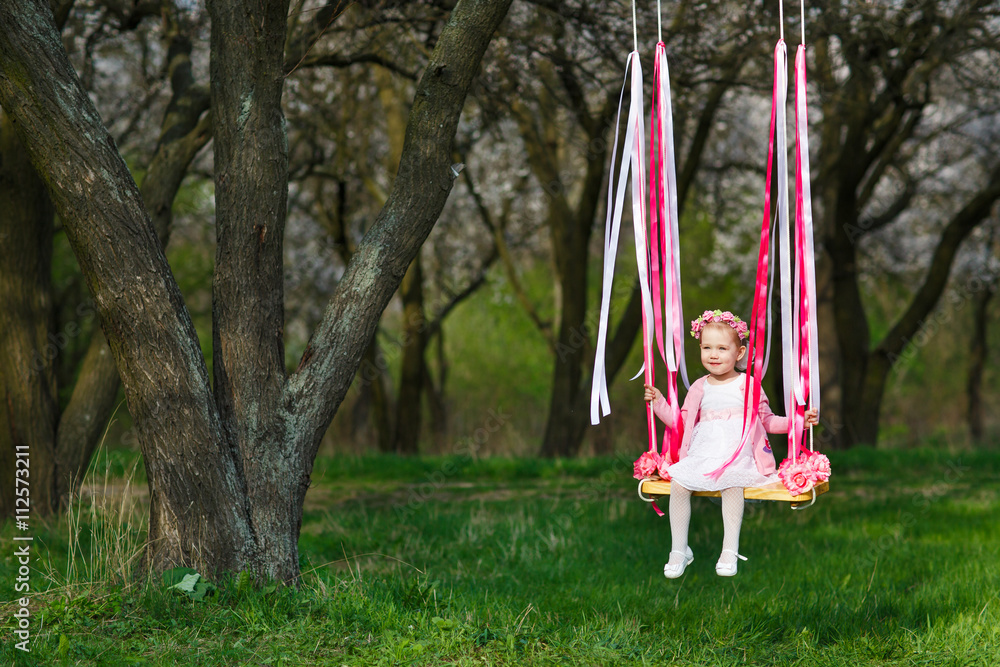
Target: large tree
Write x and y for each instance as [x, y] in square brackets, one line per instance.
[902, 92]
[228, 467]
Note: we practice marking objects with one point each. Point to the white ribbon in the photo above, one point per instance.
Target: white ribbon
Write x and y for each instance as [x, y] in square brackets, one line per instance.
[632, 155]
[788, 361]
[802, 139]
[675, 361]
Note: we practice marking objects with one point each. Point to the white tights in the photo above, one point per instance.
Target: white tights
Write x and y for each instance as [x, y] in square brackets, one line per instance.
[680, 519]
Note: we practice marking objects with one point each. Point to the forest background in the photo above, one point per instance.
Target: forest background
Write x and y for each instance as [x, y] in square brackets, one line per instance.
[487, 345]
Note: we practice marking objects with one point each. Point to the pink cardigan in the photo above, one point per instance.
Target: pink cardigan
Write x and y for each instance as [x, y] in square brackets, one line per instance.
[766, 422]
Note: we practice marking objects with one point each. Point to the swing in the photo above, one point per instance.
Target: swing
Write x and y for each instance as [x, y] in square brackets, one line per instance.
[651, 489]
[662, 317]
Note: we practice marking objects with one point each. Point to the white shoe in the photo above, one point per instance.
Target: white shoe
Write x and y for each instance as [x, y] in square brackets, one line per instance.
[728, 569]
[674, 571]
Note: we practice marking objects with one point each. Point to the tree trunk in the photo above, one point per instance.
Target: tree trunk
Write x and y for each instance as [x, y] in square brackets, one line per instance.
[371, 409]
[436, 395]
[865, 373]
[419, 193]
[414, 370]
[570, 229]
[565, 423]
[83, 421]
[78, 429]
[251, 192]
[829, 356]
[196, 513]
[872, 111]
[978, 356]
[28, 395]
[228, 479]
[184, 132]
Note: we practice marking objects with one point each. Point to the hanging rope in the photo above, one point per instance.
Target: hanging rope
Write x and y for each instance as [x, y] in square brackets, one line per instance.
[635, 33]
[659, 23]
[802, 22]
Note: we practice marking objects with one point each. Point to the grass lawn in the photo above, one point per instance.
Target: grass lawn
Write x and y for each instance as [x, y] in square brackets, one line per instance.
[525, 562]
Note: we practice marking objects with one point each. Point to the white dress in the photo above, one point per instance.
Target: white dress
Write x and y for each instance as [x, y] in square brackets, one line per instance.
[716, 436]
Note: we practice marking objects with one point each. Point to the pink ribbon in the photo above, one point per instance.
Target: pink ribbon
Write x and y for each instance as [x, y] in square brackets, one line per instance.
[800, 358]
[758, 319]
[805, 344]
[664, 247]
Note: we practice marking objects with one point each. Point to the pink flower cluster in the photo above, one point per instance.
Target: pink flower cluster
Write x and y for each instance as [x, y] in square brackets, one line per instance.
[724, 317]
[650, 464]
[809, 469]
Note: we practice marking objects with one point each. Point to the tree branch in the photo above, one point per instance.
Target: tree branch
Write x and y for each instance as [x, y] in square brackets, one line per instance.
[927, 296]
[899, 205]
[435, 325]
[421, 187]
[339, 60]
[497, 231]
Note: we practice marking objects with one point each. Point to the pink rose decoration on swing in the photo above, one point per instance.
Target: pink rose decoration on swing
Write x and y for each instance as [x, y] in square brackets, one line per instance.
[661, 469]
[811, 468]
[647, 465]
[820, 466]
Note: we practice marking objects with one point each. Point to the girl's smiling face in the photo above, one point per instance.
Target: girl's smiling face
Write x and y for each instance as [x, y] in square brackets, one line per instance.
[720, 350]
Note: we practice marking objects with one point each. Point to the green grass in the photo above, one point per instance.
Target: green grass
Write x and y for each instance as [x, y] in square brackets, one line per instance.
[528, 562]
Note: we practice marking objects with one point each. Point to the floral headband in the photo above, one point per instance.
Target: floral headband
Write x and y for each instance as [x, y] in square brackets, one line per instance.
[710, 316]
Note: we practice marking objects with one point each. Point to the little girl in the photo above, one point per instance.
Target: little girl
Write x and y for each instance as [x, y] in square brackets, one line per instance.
[712, 416]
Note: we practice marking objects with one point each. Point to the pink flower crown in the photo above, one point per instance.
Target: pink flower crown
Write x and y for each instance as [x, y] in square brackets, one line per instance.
[726, 317]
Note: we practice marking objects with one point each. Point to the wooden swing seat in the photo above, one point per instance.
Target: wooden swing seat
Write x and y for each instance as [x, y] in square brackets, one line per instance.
[776, 491]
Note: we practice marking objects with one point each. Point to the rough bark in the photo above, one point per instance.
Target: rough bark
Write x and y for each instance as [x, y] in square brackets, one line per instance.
[251, 191]
[198, 512]
[370, 409]
[185, 130]
[78, 428]
[425, 177]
